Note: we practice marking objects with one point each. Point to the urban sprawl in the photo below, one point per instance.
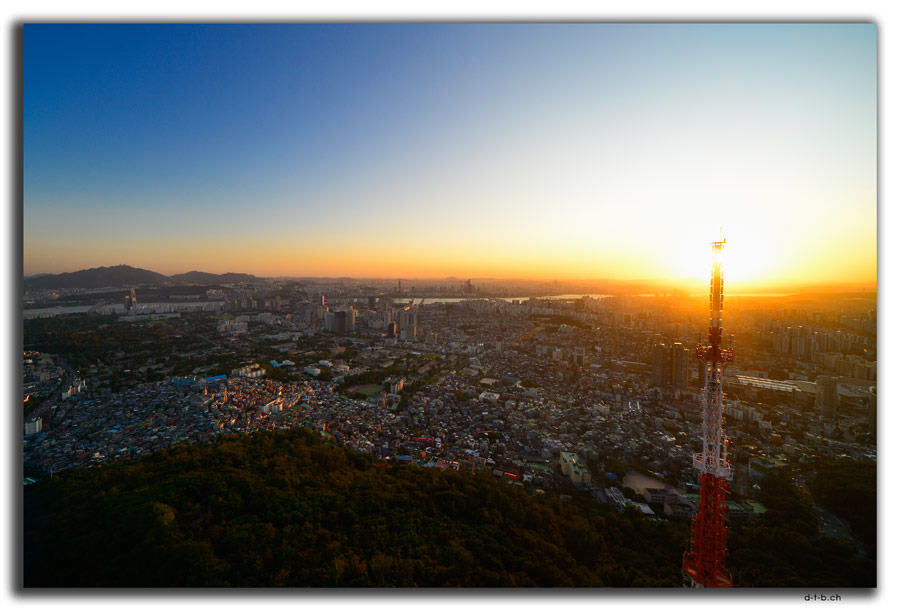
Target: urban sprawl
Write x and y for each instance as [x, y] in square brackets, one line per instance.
[598, 392]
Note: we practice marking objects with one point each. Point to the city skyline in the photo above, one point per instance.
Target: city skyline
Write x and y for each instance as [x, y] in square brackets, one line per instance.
[563, 151]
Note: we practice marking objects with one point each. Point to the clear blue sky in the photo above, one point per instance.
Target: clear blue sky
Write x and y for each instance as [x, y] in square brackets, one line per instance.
[508, 150]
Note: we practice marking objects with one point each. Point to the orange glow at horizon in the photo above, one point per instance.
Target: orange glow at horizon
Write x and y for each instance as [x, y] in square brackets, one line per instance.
[681, 263]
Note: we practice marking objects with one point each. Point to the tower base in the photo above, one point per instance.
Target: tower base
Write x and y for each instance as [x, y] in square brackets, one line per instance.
[702, 566]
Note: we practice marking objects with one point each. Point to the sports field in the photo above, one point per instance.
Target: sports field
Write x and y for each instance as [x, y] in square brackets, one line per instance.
[369, 389]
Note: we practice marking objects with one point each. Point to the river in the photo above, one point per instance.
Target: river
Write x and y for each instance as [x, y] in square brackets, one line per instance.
[458, 299]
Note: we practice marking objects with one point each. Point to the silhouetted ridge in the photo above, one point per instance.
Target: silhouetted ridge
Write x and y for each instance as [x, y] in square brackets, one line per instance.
[96, 277]
[196, 277]
[125, 275]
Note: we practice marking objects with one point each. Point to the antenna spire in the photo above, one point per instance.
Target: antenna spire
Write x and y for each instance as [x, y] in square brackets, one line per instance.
[703, 562]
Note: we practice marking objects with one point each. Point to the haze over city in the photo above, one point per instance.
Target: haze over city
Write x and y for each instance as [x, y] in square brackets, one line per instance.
[610, 151]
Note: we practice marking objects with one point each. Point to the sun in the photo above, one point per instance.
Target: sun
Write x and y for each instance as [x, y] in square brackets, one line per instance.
[741, 264]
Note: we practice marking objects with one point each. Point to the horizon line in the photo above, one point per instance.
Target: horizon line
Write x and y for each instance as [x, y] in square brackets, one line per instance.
[866, 285]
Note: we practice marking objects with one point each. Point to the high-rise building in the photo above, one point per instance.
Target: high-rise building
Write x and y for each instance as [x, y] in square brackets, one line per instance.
[408, 320]
[670, 366]
[579, 357]
[873, 412]
[679, 360]
[340, 322]
[130, 301]
[660, 366]
[826, 396]
[782, 342]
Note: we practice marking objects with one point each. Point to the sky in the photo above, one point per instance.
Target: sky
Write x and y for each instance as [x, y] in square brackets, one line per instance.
[564, 151]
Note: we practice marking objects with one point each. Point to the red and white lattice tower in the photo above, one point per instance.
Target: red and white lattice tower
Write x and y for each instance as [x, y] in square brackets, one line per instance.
[704, 559]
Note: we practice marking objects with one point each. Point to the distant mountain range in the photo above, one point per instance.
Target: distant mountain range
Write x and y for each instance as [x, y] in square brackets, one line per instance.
[208, 278]
[125, 275]
[122, 275]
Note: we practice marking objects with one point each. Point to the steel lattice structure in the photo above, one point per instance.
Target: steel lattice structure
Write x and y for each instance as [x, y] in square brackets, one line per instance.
[703, 563]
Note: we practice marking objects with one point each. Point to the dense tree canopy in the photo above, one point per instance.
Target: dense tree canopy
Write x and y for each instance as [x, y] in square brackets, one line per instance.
[290, 509]
[784, 548]
[847, 488]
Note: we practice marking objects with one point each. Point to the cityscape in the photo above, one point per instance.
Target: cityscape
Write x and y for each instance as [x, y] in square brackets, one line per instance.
[450, 305]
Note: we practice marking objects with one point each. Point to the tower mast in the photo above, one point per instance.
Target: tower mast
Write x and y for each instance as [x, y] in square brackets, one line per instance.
[703, 561]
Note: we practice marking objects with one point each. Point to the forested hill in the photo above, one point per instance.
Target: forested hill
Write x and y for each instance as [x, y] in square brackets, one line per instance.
[290, 509]
[125, 275]
[96, 277]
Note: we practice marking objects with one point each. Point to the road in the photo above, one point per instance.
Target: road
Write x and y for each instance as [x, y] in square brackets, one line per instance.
[71, 374]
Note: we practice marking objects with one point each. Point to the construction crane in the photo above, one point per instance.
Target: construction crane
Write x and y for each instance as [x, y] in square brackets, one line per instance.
[703, 561]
